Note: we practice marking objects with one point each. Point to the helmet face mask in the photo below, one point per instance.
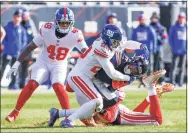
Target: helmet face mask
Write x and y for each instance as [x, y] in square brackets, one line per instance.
[64, 19]
[133, 69]
[115, 43]
[136, 68]
[64, 26]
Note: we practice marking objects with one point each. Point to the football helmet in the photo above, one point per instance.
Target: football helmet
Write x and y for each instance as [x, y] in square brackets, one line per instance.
[137, 66]
[64, 20]
[112, 36]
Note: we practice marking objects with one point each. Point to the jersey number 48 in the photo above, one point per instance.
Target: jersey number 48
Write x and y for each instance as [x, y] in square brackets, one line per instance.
[60, 54]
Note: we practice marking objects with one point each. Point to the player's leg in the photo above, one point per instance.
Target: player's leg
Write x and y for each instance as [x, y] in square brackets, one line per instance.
[128, 117]
[163, 89]
[38, 74]
[87, 96]
[108, 115]
[58, 113]
[143, 105]
[87, 122]
[155, 116]
[58, 76]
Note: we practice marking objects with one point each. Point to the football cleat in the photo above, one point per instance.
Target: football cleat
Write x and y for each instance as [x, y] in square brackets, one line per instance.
[165, 88]
[152, 78]
[53, 117]
[12, 116]
[67, 123]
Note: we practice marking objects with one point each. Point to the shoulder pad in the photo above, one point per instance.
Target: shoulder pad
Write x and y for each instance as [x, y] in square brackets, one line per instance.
[101, 49]
[75, 30]
[46, 27]
[78, 34]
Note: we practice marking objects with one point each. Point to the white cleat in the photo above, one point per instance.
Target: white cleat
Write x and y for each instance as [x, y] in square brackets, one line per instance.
[152, 79]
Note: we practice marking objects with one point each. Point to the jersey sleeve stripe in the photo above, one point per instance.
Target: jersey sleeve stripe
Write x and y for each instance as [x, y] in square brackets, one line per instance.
[97, 52]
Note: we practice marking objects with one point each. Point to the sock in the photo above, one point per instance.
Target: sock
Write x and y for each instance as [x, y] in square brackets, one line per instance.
[61, 95]
[25, 94]
[147, 99]
[152, 91]
[155, 109]
[85, 111]
[66, 112]
[142, 106]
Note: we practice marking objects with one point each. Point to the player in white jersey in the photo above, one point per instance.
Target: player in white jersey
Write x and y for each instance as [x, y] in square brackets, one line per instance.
[80, 78]
[56, 40]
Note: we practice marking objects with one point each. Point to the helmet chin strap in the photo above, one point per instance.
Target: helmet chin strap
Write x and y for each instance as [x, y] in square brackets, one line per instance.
[61, 30]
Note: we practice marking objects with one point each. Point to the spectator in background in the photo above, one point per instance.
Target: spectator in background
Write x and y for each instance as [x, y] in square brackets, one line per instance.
[3, 33]
[31, 30]
[177, 40]
[145, 35]
[162, 36]
[14, 42]
[113, 19]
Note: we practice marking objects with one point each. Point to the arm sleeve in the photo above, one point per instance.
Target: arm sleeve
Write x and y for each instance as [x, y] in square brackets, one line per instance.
[81, 44]
[110, 70]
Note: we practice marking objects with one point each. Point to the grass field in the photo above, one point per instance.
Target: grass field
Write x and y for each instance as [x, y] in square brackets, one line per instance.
[34, 115]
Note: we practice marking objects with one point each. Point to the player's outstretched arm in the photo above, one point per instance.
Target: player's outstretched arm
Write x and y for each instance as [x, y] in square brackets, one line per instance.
[110, 70]
[28, 49]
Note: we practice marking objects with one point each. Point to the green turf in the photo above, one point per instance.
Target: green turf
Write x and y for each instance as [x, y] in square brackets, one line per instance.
[34, 115]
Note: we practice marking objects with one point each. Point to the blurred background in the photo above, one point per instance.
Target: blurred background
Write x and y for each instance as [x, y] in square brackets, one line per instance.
[162, 26]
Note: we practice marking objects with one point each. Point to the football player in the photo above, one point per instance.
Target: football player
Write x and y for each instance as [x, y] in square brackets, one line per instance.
[56, 40]
[80, 78]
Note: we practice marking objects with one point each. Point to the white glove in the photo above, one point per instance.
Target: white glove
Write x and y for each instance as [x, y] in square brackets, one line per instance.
[13, 69]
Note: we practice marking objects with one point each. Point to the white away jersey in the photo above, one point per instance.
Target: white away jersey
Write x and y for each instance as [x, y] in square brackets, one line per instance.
[88, 64]
[56, 50]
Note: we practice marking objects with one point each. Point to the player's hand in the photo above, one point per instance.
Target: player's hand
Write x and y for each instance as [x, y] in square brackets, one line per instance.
[13, 70]
[121, 96]
[132, 78]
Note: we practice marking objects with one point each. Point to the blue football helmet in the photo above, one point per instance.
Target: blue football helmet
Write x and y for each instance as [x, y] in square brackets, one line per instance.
[64, 20]
[136, 66]
[111, 35]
